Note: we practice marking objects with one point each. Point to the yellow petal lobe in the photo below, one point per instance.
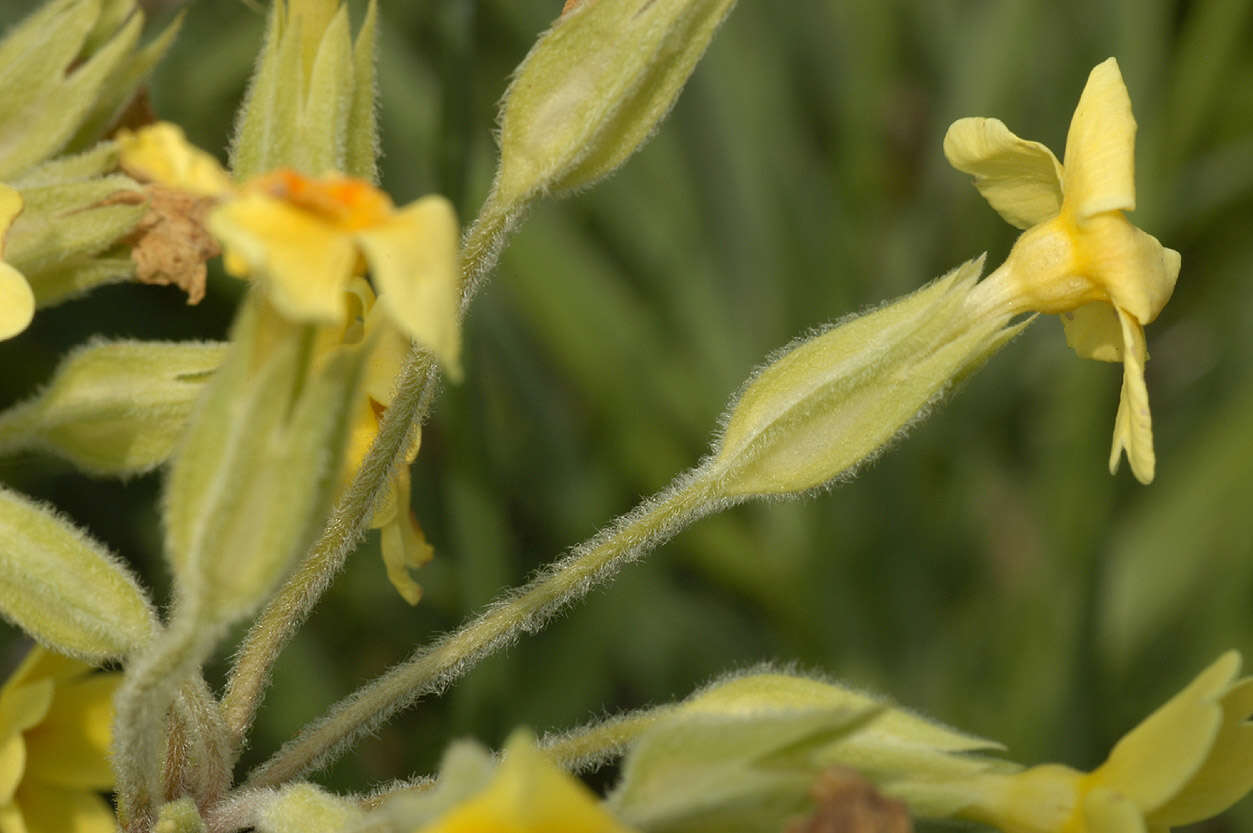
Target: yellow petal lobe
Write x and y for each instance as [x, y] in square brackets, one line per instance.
[413, 261]
[529, 794]
[70, 747]
[1099, 164]
[1107, 811]
[161, 153]
[1018, 178]
[1133, 426]
[1093, 331]
[304, 262]
[1154, 761]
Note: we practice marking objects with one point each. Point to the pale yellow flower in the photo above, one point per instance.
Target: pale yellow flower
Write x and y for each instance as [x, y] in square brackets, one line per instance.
[1079, 256]
[304, 239]
[1189, 760]
[55, 718]
[528, 794]
[17, 302]
[403, 544]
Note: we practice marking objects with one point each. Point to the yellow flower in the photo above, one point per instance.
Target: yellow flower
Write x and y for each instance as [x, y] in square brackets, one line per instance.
[1079, 256]
[402, 541]
[55, 718]
[304, 239]
[1189, 760]
[528, 794]
[17, 302]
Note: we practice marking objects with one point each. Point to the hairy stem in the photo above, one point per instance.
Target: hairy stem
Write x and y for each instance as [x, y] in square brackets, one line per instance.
[416, 389]
[141, 712]
[528, 609]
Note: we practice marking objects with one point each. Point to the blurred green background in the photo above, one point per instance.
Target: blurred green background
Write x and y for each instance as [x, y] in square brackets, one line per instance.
[987, 571]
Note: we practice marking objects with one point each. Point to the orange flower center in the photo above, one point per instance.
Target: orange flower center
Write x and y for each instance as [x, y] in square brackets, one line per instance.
[342, 201]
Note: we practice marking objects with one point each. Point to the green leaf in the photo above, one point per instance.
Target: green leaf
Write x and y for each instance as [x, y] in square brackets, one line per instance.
[65, 589]
[361, 155]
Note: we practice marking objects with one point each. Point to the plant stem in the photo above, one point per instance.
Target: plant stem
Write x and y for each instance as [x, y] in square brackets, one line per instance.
[141, 709]
[433, 667]
[416, 389]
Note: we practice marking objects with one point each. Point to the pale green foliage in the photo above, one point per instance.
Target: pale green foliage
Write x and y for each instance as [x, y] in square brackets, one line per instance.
[834, 400]
[72, 217]
[594, 88]
[65, 589]
[315, 118]
[253, 480]
[114, 407]
[742, 754]
[64, 72]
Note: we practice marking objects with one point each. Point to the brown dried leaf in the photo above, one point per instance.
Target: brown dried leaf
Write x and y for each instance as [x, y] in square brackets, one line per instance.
[848, 803]
[171, 243]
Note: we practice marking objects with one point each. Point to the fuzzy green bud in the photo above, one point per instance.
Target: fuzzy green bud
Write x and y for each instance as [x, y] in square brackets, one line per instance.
[304, 808]
[594, 88]
[65, 589]
[114, 408]
[744, 753]
[833, 401]
[68, 69]
[179, 817]
[310, 104]
[254, 478]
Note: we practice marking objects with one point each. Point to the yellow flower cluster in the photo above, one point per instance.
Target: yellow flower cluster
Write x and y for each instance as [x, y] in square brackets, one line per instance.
[55, 731]
[307, 242]
[1079, 255]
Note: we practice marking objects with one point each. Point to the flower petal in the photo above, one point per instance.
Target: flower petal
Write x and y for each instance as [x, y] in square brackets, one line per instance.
[12, 766]
[413, 261]
[529, 794]
[70, 747]
[1094, 332]
[161, 153]
[1136, 271]
[1228, 771]
[1133, 426]
[23, 706]
[1099, 166]
[1106, 811]
[17, 302]
[1153, 762]
[305, 262]
[1022, 180]
[48, 809]
[402, 541]
[11, 820]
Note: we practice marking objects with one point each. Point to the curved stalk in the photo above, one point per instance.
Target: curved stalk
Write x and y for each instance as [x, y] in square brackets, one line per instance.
[416, 389]
[433, 667]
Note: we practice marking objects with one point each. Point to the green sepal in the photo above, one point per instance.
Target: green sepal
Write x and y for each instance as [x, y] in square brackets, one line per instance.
[327, 103]
[122, 84]
[594, 88]
[114, 408]
[43, 101]
[301, 109]
[253, 480]
[730, 772]
[65, 589]
[78, 276]
[362, 149]
[305, 808]
[833, 401]
[66, 222]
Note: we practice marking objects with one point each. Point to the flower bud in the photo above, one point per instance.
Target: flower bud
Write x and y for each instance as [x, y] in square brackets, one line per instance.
[114, 408]
[834, 400]
[595, 87]
[65, 589]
